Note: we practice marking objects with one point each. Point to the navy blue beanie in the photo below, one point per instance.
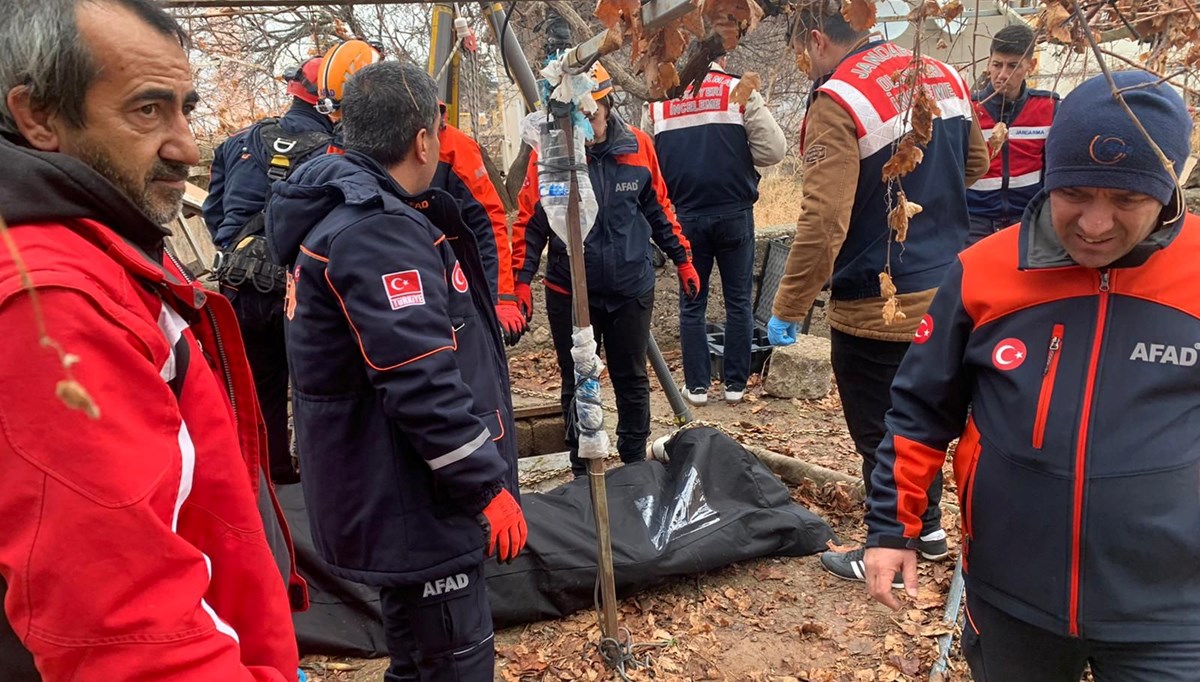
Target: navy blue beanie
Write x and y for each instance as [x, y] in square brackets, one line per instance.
[1093, 143]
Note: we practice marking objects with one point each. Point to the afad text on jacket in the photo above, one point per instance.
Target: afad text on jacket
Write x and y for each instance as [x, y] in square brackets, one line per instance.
[1077, 471]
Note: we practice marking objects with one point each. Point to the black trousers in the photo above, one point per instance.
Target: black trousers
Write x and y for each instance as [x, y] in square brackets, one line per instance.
[260, 317]
[1000, 648]
[863, 370]
[440, 631]
[624, 334]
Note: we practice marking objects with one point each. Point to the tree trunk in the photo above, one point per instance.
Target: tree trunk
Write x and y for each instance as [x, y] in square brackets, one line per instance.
[516, 172]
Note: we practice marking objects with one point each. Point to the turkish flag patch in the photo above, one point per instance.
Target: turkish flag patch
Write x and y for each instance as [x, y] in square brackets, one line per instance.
[1009, 354]
[404, 289]
[458, 279]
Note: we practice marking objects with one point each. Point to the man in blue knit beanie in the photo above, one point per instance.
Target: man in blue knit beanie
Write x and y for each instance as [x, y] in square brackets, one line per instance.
[1064, 355]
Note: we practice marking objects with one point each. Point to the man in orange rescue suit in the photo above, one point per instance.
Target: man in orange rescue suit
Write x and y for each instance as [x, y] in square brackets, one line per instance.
[857, 116]
[998, 199]
[400, 383]
[1067, 347]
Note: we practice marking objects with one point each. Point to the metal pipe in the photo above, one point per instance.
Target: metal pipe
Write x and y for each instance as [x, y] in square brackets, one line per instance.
[683, 414]
[514, 57]
[950, 617]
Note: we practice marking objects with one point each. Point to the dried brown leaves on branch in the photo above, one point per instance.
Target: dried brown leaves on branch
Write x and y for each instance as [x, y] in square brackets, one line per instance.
[997, 139]
[68, 389]
[906, 158]
[746, 86]
[899, 216]
[655, 54]
[860, 14]
[923, 112]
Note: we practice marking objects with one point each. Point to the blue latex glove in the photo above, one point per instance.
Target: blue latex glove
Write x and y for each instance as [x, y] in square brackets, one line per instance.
[781, 332]
[302, 675]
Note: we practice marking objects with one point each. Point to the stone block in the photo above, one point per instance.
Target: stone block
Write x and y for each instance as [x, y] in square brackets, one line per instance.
[801, 370]
[524, 438]
[548, 435]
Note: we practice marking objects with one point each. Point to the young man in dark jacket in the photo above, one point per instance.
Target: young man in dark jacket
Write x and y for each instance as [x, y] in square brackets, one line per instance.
[1067, 347]
[399, 379]
[131, 545]
[633, 209]
[998, 199]
[243, 168]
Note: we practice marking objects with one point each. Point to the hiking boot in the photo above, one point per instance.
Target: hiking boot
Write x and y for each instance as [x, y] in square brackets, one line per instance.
[696, 396]
[850, 566]
[932, 546]
[732, 396]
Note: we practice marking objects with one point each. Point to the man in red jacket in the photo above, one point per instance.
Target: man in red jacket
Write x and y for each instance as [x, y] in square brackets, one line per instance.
[132, 547]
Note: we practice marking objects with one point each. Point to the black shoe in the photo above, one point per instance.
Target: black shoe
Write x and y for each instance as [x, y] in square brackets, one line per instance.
[850, 566]
[932, 546]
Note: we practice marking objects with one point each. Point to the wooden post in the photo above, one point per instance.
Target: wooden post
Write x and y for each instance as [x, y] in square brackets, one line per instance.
[579, 302]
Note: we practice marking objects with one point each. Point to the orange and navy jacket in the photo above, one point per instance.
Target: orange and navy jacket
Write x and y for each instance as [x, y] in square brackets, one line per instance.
[399, 378]
[132, 544]
[461, 173]
[1015, 176]
[634, 208]
[1078, 469]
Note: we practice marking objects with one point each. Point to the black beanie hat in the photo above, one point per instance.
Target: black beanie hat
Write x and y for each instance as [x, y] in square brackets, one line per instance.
[1093, 142]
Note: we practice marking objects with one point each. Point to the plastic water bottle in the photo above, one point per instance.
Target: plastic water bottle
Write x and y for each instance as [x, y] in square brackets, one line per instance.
[554, 178]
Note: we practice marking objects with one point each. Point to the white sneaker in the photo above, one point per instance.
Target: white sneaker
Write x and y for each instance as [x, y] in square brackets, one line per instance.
[732, 397]
[697, 396]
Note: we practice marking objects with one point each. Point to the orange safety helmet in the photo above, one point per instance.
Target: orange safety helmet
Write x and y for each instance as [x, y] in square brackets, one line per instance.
[604, 84]
[339, 64]
[302, 80]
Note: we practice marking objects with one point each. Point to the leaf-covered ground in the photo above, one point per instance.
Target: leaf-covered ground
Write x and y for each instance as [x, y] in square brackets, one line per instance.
[768, 620]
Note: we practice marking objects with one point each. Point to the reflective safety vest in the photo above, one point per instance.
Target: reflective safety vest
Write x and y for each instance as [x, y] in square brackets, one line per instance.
[869, 85]
[1015, 176]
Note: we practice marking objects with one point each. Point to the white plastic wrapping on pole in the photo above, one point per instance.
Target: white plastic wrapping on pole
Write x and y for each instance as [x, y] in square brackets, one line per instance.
[542, 132]
[589, 413]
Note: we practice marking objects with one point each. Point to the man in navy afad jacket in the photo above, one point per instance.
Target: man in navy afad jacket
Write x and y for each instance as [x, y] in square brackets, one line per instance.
[1070, 341]
[399, 379]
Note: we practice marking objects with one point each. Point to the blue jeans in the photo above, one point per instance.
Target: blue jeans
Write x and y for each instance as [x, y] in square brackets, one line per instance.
[727, 240]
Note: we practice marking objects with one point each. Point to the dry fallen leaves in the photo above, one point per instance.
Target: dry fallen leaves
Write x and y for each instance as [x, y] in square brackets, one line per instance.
[898, 219]
[860, 14]
[906, 158]
[998, 137]
[745, 87]
[1054, 19]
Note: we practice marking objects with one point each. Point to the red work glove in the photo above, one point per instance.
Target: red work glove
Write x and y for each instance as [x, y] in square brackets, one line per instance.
[504, 525]
[689, 280]
[512, 322]
[524, 299]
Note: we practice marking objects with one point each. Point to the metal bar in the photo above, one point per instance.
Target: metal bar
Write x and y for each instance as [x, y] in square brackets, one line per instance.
[441, 54]
[514, 56]
[679, 406]
[950, 617]
[657, 13]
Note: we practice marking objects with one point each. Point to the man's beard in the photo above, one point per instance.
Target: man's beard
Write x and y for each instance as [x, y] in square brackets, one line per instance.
[160, 204]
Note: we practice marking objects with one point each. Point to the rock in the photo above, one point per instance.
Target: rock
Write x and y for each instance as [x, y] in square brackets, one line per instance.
[548, 435]
[801, 370]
